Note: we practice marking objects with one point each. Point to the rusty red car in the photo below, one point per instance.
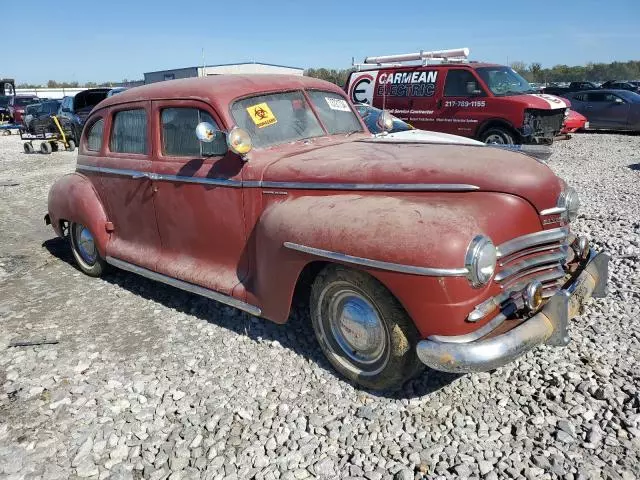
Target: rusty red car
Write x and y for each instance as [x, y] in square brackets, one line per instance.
[245, 189]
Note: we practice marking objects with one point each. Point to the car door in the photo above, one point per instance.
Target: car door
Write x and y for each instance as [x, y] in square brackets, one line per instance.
[198, 199]
[125, 182]
[463, 103]
[608, 110]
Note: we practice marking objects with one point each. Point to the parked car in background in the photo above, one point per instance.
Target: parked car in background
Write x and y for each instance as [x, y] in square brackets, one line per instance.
[38, 119]
[488, 102]
[246, 188]
[573, 122]
[572, 87]
[621, 85]
[17, 104]
[608, 109]
[74, 111]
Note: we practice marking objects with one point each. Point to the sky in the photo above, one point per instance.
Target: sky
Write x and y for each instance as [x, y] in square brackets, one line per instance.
[100, 41]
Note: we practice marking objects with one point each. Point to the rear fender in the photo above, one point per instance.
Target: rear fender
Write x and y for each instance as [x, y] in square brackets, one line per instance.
[73, 199]
[426, 230]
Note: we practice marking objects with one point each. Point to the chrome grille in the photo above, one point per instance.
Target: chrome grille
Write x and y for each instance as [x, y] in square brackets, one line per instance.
[536, 256]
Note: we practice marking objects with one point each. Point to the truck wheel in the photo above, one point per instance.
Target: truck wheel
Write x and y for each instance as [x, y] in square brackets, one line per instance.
[362, 329]
[28, 147]
[85, 251]
[72, 145]
[45, 147]
[498, 135]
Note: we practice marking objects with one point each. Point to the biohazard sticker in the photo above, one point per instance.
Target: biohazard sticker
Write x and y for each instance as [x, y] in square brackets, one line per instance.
[337, 104]
[262, 115]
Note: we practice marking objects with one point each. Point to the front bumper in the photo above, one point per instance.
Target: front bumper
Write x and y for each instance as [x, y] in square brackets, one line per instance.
[549, 326]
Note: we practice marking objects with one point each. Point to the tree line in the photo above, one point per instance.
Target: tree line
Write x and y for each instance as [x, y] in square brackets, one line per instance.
[534, 72]
[56, 84]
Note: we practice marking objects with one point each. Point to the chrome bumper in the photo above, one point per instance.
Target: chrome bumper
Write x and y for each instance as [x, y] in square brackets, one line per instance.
[549, 326]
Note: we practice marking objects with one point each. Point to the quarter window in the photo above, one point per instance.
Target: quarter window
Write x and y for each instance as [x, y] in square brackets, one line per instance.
[179, 134]
[94, 138]
[129, 132]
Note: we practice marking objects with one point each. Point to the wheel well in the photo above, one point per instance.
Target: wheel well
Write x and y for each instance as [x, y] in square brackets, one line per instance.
[302, 290]
[499, 124]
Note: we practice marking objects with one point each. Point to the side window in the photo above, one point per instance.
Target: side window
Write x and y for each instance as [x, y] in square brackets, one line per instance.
[94, 137]
[580, 97]
[610, 97]
[179, 134]
[129, 132]
[460, 83]
[596, 97]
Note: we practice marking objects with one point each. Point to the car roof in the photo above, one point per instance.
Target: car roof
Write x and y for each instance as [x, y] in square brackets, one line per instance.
[221, 88]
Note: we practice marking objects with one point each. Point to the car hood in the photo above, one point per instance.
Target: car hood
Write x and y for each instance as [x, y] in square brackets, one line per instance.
[540, 101]
[424, 136]
[378, 163]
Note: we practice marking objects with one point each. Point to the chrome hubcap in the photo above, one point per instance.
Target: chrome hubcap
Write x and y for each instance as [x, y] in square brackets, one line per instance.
[357, 328]
[495, 139]
[86, 244]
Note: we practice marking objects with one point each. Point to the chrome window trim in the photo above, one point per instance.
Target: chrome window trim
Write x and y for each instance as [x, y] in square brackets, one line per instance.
[473, 336]
[189, 287]
[367, 262]
[414, 187]
[532, 240]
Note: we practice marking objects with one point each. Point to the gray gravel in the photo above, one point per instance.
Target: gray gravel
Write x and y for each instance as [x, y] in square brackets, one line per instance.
[150, 382]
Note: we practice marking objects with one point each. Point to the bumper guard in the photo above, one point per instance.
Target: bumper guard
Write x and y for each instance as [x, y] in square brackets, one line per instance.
[549, 326]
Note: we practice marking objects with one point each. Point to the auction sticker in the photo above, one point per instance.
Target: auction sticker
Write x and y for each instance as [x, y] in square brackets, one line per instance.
[262, 115]
[337, 104]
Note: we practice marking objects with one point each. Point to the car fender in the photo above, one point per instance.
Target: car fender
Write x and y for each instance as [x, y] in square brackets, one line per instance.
[427, 230]
[73, 199]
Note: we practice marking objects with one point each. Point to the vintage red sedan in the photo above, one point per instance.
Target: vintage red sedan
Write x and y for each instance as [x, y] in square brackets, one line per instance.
[246, 188]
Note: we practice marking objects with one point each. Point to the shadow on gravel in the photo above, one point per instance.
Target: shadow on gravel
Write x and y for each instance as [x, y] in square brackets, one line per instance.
[613, 132]
[635, 166]
[297, 334]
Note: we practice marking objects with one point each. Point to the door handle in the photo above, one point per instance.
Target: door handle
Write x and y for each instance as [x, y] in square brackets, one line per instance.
[439, 104]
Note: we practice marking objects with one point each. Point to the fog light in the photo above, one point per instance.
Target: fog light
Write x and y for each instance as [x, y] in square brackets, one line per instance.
[581, 247]
[532, 295]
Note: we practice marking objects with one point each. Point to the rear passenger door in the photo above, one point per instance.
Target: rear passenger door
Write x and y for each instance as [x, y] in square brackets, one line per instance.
[198, 199]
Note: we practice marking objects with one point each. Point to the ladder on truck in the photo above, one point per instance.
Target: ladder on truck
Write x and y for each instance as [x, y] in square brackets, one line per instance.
[459, 54]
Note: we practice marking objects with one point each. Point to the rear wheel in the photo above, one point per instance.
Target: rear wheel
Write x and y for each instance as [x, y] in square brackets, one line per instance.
[71, 145]
[362, 329]
[28, 147]
[85, 250]
[45, 147]
[499, 136]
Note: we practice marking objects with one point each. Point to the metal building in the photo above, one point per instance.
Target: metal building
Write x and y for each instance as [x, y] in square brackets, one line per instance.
[227, 68]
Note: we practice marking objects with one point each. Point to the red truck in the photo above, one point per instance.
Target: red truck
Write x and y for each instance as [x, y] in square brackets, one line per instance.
[485, 101]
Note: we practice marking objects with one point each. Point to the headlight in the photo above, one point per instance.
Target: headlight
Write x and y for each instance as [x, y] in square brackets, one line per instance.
[480, 260]
[570, 202]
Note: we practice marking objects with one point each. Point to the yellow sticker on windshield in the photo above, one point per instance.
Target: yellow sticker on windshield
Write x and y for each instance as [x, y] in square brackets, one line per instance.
[262, 115]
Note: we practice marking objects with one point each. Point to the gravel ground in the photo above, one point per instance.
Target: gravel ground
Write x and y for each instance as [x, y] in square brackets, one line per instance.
[150, 382]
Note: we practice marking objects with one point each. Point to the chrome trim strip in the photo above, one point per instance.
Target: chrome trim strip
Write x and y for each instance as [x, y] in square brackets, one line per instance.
[473, 336]
[532, 240]
[554, 246]
[552, 211]
[415, 187]
[189, 287]
[530, 263]
[556, 268]
[366, 262]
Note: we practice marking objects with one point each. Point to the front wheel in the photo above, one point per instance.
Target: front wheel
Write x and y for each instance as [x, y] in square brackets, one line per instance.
[85, 250]
[362, 329]
[499, 136]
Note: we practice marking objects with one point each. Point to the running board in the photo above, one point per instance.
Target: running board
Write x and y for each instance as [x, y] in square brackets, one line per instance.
[188, 287]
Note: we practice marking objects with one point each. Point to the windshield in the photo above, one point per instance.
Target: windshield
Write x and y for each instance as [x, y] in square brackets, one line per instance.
[504, 81]
[23, 102]
[4, 100]
[370, 116]
[278, 118]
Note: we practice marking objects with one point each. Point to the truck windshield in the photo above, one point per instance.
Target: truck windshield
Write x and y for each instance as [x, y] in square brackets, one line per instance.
[503, 81]
[279, 118]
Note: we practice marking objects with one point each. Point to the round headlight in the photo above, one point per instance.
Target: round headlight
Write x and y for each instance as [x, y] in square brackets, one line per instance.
[570, 201]
[480, 260]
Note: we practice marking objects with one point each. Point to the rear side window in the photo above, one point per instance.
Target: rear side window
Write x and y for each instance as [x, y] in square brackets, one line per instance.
[581, 97]
[179, 134]
[597, 97]
[460, 83]
[129, 132]
[94, 137]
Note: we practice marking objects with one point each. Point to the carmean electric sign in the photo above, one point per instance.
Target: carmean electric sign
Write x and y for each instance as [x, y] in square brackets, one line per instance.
[392, 84]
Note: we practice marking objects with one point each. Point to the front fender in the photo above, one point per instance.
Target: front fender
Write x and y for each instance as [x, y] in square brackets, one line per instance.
[72, 198]
[425, 230]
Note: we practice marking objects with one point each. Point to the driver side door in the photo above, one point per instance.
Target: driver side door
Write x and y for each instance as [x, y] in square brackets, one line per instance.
[198, 198]
[607, 110]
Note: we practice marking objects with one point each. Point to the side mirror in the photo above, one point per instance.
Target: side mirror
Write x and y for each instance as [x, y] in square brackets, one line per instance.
[473, 90]
[618, 101]
[385, 121]
[205, 132]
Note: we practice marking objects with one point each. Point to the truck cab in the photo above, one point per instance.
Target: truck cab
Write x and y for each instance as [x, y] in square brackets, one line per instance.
[489, 102]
